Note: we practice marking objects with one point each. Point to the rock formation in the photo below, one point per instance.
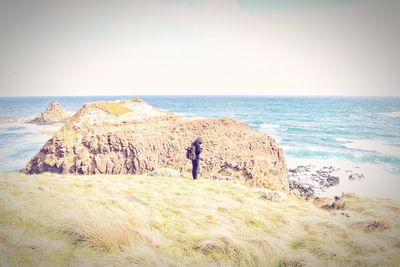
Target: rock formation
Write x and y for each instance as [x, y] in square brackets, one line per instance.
[310, 181]
[54, 113]
[132, 137]
[5, 120]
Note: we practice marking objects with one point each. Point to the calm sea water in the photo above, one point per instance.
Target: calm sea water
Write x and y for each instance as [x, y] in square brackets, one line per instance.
[357, 129]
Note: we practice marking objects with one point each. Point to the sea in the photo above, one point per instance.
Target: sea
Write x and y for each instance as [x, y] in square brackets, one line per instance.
[358, 133]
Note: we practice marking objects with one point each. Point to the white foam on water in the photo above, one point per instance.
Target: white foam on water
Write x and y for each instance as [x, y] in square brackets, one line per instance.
[26, 119]
[270, 129]
[395, 114]
[22, 127]
[267, 126]
[29, 136]
[370, 145]
[378, 182]
[189, 116]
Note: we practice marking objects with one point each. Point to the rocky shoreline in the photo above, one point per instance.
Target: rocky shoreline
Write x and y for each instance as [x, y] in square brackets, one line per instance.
[91, 150]
[310, 181]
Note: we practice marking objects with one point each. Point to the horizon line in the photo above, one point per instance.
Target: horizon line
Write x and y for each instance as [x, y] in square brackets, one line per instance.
[203, 95]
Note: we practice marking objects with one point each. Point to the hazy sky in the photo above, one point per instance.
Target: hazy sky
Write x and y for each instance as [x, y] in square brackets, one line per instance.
[269, 47]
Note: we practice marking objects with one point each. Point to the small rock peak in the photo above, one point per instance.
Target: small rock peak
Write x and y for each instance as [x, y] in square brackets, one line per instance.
[54, 113]
[54, 103]
[54, 106]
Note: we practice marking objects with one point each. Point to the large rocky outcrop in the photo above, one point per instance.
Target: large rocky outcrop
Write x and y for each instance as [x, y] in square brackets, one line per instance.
[54, 113]
[131, 137]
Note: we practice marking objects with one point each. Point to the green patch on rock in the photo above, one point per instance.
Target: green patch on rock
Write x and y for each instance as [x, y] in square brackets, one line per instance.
[113, 108]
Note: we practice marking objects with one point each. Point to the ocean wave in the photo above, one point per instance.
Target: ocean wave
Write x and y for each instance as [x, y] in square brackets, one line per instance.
[269, 129]
[26, 128]
[190, 116]
[395, 114]
[316, 153]
[267, 126]
[370, 145]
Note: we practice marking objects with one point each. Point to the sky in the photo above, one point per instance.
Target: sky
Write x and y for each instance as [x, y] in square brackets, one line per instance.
[199, 47]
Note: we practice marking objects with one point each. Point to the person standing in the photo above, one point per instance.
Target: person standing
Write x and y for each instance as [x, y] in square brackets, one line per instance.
[196, 159]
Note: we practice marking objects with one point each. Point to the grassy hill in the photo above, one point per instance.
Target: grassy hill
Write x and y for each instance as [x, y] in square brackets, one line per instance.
[56, 220]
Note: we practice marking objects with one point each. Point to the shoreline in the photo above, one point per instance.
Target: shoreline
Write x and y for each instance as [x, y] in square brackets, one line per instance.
[375, 181]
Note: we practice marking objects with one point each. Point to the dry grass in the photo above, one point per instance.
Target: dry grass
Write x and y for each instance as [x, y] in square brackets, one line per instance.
[55, 220]
[113, 108]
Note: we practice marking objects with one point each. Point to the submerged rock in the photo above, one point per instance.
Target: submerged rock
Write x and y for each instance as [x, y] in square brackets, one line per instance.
[54, 113]
[332, 180]
[302, 169]
[132, 137]
[308, 181]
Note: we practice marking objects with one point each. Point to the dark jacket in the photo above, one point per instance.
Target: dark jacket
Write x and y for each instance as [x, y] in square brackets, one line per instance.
[197, 144]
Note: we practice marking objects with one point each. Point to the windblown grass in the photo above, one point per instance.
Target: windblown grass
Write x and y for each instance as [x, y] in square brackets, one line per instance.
[55, 220]
[113, 108]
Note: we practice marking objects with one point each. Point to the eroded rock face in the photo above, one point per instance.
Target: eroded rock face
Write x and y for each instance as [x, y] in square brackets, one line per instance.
[54, 113]
[131, 137]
